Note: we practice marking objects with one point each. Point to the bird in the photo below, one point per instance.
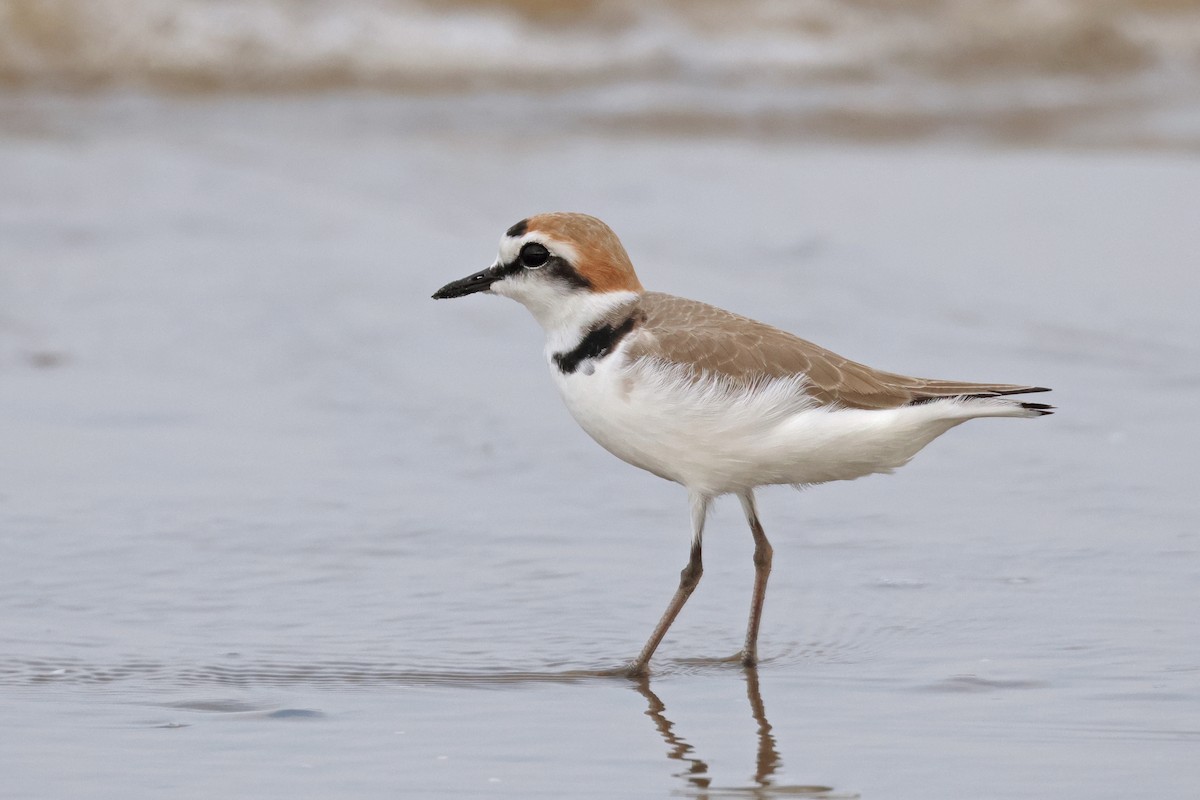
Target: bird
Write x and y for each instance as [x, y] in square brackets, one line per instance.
[714, 401]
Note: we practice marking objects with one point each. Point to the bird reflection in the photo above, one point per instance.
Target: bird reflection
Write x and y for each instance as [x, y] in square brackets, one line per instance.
[768, 755]
[696, 772]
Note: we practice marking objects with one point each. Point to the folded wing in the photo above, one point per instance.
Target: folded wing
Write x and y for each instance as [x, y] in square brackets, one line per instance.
[712, 341]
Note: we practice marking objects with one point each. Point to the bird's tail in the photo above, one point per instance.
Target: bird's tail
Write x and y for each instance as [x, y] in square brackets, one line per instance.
[970, 406]
[986, 400]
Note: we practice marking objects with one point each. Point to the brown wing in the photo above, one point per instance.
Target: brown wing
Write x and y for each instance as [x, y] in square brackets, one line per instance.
[718, 342]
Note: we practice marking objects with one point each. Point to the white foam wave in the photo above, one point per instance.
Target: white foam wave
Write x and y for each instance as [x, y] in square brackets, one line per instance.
[1043, 70]
[408, 44]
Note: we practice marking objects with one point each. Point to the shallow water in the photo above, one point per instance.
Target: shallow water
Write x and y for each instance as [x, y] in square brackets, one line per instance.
[273, 523]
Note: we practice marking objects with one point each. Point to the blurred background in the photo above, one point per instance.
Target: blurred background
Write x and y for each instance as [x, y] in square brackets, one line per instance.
[273, 523]
[1082, 72]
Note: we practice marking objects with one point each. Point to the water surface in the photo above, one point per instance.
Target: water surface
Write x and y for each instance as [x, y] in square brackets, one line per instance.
[275, 524]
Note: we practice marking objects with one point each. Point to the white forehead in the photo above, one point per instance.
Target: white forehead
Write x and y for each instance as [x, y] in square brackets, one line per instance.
[511, 245]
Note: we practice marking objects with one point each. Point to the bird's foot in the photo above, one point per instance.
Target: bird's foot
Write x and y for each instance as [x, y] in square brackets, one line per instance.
[740, 657]
[632, 670]
[713, 661]
[635, 671]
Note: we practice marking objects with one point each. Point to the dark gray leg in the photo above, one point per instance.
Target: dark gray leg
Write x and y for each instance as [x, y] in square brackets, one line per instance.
[762, 570]
[688, 579]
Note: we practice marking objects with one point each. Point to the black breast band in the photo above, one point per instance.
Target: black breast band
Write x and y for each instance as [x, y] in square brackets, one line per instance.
[598, 343]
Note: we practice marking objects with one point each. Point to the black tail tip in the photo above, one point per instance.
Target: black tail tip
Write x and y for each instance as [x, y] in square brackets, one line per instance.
[1043, 409]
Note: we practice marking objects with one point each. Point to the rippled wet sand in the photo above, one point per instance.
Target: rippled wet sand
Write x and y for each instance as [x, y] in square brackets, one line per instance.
[273, 523]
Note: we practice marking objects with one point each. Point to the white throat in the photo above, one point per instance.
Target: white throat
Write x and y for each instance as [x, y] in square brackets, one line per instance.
[585, 310]
[565, 314]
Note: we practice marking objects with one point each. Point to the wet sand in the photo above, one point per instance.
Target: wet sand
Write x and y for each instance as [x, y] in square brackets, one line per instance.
[274, 523]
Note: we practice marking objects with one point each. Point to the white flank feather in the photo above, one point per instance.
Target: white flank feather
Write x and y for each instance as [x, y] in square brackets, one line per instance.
[716, 436]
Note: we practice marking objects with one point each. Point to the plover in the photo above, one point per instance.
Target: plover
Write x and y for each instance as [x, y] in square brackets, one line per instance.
[713, 401]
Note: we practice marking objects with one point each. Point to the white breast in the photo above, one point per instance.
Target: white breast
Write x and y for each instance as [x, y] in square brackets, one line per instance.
[717, 437]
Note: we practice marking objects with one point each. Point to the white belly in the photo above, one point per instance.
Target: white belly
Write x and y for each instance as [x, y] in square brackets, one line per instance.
[715, 438]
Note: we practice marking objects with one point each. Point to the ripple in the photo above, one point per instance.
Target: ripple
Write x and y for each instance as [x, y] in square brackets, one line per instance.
[898, 583]
[266, 673]
[777, 790]
[220, 706]
[974, 683]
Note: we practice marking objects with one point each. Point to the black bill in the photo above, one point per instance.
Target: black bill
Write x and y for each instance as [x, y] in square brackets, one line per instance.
[479, 282]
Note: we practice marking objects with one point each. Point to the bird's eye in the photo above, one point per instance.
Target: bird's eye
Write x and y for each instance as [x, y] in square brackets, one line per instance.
[533, 255]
